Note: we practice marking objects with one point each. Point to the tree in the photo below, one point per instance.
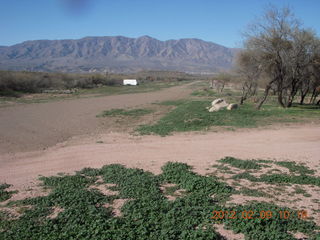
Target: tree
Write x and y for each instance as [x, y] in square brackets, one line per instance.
[284, 52]
[220, 81]
[249, 70]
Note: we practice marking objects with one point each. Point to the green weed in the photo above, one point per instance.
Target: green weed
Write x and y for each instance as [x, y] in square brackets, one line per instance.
[147, 214]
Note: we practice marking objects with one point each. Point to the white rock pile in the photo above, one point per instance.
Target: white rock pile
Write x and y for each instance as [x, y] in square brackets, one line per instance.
[219, 104]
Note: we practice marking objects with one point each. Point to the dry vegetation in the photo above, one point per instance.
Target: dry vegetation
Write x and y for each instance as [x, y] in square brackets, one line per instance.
[283, 55]
[16, 83]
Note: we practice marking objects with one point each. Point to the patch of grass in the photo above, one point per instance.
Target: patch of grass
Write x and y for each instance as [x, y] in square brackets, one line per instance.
[299, 190]
[280, 178]
[253, 192]
[121, 112]
[242, 164]
[295, 168]
[307, 195]
[222, 167]
[5, 195]
[205, 93]
[146, 215]
[173, 102]
[263, 161]
[193, 116]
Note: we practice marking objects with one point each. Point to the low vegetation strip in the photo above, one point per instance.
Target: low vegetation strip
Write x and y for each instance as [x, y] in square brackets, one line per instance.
[295, 168]
[280, 178]
[86, 213]
[193, 116]
[299, 174]
[121, 112]
[238, 163]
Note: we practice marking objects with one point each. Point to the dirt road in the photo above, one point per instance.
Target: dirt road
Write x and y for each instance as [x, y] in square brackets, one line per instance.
[300, 144]
[36, 126]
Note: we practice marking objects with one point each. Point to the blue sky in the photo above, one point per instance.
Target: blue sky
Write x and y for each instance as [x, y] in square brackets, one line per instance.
[219, 21]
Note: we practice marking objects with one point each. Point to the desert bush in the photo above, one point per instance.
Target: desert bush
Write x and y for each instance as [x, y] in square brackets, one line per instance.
[14, 83]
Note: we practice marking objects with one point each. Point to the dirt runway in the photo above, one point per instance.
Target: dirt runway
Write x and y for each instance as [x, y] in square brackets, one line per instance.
[28, 127]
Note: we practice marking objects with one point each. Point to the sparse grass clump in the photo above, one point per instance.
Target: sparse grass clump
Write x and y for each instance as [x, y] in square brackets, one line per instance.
[295, 168]
[242, 164]
[280, 178]
[4, 194]
[121, 112]
[299, 190]
[253, 192]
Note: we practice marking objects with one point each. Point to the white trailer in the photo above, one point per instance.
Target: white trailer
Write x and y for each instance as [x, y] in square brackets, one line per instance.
[132, 82]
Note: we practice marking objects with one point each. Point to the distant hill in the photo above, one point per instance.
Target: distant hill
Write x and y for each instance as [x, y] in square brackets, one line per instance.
[117, 54]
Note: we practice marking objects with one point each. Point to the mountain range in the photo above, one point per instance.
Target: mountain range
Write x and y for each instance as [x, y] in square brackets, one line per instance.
[117, 54]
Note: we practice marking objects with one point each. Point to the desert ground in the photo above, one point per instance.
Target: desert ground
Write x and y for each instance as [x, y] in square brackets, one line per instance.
[66, 136]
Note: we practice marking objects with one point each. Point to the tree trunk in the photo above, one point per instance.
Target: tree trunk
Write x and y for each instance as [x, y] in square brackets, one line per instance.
[313, 97]
[242, 100]
[302, 98]
[280, 99]
[222, 87]
[266, 93]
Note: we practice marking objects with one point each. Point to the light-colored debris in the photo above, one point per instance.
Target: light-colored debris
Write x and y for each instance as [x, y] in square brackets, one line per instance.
[217, 105]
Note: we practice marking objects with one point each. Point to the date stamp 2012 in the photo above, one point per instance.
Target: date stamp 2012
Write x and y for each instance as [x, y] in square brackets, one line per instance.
[263, 214]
